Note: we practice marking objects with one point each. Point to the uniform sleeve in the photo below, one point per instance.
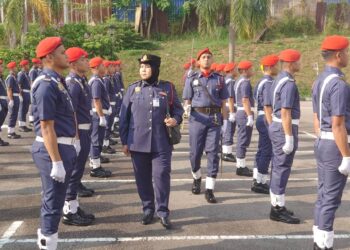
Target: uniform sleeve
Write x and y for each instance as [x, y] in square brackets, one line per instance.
[246, 89]
[124, 117]
[338, 98]
[255, 91]
[187, 93]
[21, 79]
[224, 91]
[266, 93]
[176, 110]
[288, 94]
[10, 82]
[75, 92]
[314, 98]
[45, 97]
[96, 90]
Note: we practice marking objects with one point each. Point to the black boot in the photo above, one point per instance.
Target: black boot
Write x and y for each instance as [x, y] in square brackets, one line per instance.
[113, 142]
[75, 220]
[260, 188]
[196, 186]
[4, 143]
[24, 129]
[81, 186]
[228, 157]
[281, 214]
[209, 196]
[316, 247]
[108, 150]
[147, 218]
[13, 136]
[244, 172]
[104, 159]
[83, 191]
[166, 223]
[81, 213]
[100, 173]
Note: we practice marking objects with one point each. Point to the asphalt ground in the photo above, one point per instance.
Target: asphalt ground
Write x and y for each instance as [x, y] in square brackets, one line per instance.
[240, 219]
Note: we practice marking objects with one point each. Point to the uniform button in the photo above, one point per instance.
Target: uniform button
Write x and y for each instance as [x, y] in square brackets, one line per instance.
[150, 128]
[150, 120]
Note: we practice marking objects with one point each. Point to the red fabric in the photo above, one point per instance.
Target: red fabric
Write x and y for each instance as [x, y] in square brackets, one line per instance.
[107, 63]
[95, 62]
[289, 55]
[245, 65]
[229, 67]
[47, 45]
[11, 65]
[335, 43]
[75, 54]
[269, 60]
[206, 73]
[220, 67]
[186, 66]
[203, 51]
[24, 62]
[1, 62]
[193, 61]
[36, 60]
[213, 66]
[117, 62]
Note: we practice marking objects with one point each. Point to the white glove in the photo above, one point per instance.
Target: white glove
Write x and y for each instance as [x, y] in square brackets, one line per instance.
[110, 110]
[20, 98]
[58, 173]
[91, 113]
[289, 145]
[232, 117]
[187, 110]
[224, 127]
[250, 121]
[77, 146]
[103, 121]
[344, 167]
[11, 103]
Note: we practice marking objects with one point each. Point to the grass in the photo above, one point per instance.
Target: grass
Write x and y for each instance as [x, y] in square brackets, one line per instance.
[176, 52]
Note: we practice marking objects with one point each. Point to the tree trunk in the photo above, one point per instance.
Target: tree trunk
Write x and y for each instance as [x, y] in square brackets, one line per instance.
[65, 12]
[150, 22]
[101, 18]
[25, 22]
[232, 43]
[87, 11]
[2, 12]
[13, 40]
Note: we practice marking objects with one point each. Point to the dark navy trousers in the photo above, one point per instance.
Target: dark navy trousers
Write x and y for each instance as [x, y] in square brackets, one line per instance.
[97, 135]
[3, 112]
[244, 135]
[54, 192]
[204, 134]
[154, 194]
[24, 107]
[331, 183]
[227, 139]
[263, 156]
[110, 121]
[13, 112]
[78, 172]
[281, 162]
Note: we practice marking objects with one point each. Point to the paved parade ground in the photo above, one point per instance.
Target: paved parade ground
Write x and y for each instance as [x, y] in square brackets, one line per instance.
[240, 219]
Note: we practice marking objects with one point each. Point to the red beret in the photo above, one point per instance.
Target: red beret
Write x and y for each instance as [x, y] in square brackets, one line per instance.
[335, 43]
[107, 63]
[213, 66]
[289, 55]
[203, 51]
[187, 66]
[75, 54]
[229, 67]
[11, 65]
[36, 60]
[245, 65]
[95, 62]
[269, 60]
[220, 67]
[47, 45]
[193, 61]
[118, 62]
[24, 62]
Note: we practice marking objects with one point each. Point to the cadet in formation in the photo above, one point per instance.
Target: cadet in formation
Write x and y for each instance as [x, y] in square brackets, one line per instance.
[33, 74]
[24, 86]
[3, 103]
[149, 107]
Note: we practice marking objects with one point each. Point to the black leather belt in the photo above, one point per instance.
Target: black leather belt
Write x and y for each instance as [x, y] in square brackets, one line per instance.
[210, 110]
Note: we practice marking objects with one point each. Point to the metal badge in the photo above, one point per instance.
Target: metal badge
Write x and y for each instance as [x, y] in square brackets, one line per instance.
[137, 89]
[195, 82]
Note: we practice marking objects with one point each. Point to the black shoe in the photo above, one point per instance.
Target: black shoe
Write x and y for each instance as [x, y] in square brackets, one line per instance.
[244, 172]
[108, 150]
[196, 186]
[84, 192]
[13, 136]
[260, 188]
[165, 221]
[3, 143]
[104, 159]
[82, 214]
[81, 186]
[113, 142]
[229, 157]
[280, 214]
[75, 220]
[147, 218]
[100, 173]
[115, 134]
[24, 129]
[209, 196]
[316, 247]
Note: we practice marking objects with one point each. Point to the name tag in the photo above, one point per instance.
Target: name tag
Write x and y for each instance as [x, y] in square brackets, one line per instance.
[155, 102]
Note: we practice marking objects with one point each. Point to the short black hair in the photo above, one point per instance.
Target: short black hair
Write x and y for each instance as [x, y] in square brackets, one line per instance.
[327, 54]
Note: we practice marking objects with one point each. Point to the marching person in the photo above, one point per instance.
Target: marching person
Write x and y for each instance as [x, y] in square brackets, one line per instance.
[3, 103]
[143, 133]
[81, 100]
[24, 86]
[263, 156]
[205, 96]
[100, 107]
[55, 148]
[244, 116]
[119, 89]
[33, 74]
[227, 137]
[331, 107]
[283, 133]
[13, 100]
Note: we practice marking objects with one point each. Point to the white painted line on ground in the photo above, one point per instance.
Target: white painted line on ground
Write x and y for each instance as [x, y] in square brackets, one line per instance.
[10, 232]
[309, 134]
[182, 238]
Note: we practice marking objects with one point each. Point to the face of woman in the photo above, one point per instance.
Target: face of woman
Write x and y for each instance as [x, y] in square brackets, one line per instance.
[145, 71]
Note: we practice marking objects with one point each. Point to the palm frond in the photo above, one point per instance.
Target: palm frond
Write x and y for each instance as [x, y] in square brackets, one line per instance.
[42, 8]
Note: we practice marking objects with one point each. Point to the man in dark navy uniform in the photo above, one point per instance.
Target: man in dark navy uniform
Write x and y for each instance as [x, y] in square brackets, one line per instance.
[24, 86]
[33, 74]
[149, 107]
[119, 89]
[3, 103]
[205, 96]
[55, 148]
[13, 100]
[331, 107]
